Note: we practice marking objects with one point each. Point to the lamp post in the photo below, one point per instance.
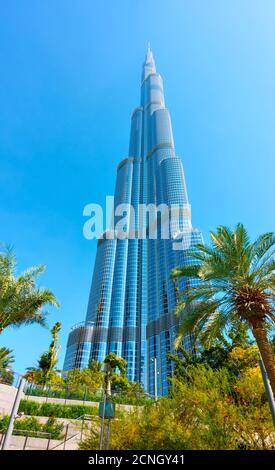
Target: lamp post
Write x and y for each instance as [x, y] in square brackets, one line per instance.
[13, 415]
[154, 360]
[267, 389]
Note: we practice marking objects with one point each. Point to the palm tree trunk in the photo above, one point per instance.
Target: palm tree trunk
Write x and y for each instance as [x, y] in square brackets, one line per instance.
[108, 389]
[265, 350]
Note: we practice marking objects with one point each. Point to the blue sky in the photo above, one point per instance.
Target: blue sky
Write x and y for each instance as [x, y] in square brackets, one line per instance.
[69, 80]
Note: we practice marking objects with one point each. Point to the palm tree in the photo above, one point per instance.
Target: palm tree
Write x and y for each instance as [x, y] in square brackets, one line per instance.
[6, 361]
[6, 358]
[112, 363]
[45, 370]
[21, 301]
[95, 366]
[235, 284]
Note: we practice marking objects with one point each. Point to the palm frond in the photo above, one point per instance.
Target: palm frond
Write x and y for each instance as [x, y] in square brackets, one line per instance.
[31, 274]
[261, 247]
[241, 238]
[213, 328]
[192, 316]
[185, 271]
[7, 261]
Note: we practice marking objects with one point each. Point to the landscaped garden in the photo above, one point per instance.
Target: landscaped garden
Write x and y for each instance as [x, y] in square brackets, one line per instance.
[217, 398]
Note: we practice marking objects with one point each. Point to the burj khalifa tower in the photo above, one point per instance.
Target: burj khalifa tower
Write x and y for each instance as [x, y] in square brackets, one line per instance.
[132, 298]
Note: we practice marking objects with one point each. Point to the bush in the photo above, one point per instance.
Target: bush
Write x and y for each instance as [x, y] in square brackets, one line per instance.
[55, 409]
[125, 397]
[28, 424]
[54, 428]
[4, 421]
[129, 398]
[32, 424]
[207, 410]
[30, 408]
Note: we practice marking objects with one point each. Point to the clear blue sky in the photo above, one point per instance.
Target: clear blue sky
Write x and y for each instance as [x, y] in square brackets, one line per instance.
[70, 72]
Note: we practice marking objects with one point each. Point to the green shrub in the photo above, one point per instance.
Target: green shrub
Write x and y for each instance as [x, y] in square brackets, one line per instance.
[28, 424]
[4, 421]
[123, 397]
[54, 428]
[130, 399]
[30, 408]
[55, 409]
[32, 424]
[206, 410]
[66, 411]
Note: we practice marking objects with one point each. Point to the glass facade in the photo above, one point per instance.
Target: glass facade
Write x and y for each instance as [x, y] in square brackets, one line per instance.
[132, 298]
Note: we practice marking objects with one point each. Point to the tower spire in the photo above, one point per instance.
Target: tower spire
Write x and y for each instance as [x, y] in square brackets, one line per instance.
[149, 64]
[149, 54]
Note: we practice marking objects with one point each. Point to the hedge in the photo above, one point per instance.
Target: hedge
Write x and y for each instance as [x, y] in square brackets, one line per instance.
[33, 408]
[32, 424]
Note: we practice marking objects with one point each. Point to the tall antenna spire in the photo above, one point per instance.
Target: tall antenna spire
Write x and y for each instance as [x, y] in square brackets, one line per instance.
[149, 64]
[149, 54]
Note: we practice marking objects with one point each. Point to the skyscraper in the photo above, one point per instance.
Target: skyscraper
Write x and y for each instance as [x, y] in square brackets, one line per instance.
[132, 299]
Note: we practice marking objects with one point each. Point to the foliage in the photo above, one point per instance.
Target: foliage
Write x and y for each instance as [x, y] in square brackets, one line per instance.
[235, 284]
[95, 366]
[86, 384]
[45, 372]
[54, 428]
[117, 383]
[6, 377]
[80, 393]
[206, 410]
[217, 401]
[6, 358]
[89, 380]
[235, 360]
[32, 424]
[21, 301]
[6, 361]
[33, 408]
[234, 352]
[115, 373]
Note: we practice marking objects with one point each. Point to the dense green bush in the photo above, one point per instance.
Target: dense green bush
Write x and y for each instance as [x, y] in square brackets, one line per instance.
[207, 410]
[126, 397]
[4, 420]
[32, 424]
[56, 410]
[63, 392]
[54, 428]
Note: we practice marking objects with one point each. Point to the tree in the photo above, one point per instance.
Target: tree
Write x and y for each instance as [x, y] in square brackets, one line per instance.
[235, 284]
[95, 366]
[6, 358]
[21, 301]
[45, 371]
[112, 363]
[85, 381]
[6, 361]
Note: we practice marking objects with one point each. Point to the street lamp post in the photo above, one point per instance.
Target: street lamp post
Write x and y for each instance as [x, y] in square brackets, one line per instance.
[268, 389]
[13, 415]
[154, 360]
